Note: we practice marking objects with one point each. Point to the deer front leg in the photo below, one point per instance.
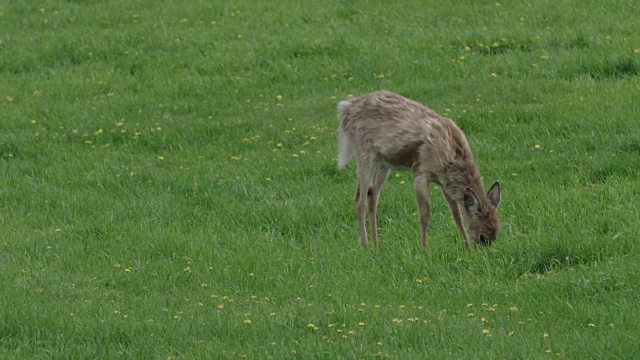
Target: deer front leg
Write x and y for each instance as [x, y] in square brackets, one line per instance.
[421, 188]
[455, 211]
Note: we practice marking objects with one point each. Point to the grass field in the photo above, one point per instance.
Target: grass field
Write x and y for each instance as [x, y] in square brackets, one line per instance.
[169, 190]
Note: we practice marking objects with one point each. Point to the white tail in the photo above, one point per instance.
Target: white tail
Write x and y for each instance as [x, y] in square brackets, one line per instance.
[345, 143]
[387, 131]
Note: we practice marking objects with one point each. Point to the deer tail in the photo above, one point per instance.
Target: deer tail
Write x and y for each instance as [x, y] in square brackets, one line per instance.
[345, 142]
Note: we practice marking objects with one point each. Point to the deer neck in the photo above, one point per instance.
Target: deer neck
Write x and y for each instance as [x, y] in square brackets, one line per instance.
[461, 175]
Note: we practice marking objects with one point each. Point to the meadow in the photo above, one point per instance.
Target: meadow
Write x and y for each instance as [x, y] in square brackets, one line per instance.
[169, 189]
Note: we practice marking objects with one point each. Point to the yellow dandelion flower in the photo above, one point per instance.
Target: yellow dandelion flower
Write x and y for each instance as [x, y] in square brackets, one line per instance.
[361, 324]
[514, 309]
[486, 332]
[545, 336]
[494, 75]
[247, 321]
[33, 121]
[537, 146]
[591, 325]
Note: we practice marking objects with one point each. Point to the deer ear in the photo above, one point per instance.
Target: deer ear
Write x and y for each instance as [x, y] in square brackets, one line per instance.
[494, 194]
[471, 202]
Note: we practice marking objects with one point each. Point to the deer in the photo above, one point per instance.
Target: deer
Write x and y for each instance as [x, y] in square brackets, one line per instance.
[387, 131]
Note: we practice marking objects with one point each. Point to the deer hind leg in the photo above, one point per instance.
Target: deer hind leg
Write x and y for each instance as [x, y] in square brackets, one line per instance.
[455, 211]
[372, 196]
[365, 179]
[421, 188]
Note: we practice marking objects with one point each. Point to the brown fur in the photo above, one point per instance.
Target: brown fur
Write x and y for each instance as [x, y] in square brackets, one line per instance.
[387, 131]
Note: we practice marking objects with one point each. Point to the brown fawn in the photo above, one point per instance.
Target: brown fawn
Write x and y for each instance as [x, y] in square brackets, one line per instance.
[388, 131]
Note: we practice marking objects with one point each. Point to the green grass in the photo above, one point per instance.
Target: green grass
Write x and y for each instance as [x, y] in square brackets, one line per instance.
[168, 181]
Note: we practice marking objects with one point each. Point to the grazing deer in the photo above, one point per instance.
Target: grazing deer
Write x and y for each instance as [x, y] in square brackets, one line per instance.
[387, 131]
